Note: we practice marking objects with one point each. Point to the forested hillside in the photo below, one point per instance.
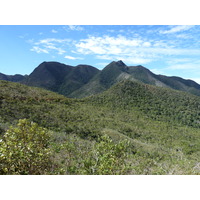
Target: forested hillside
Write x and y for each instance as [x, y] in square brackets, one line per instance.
[132, 128]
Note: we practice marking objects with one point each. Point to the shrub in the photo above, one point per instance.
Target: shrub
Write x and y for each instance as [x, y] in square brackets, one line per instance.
[108, 158]
[25, 149]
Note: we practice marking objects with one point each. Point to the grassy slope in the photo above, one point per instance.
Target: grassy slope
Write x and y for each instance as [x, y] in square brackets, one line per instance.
[159, 146]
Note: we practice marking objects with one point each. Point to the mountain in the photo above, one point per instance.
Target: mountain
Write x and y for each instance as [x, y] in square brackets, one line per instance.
[12, 78]
[59, 77]
[48, 75]
[85, 80]
[118, 71]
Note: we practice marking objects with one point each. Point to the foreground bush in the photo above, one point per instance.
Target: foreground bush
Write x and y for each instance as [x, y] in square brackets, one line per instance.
[25, 150]
[102, 157]
[108, 158]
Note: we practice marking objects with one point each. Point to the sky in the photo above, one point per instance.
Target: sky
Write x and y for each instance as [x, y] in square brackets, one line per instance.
[172, 50]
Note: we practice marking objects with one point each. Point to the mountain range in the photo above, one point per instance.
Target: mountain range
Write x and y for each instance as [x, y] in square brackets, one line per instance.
[85, 80]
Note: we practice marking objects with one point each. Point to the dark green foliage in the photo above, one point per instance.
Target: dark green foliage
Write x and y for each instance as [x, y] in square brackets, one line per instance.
[157, 103]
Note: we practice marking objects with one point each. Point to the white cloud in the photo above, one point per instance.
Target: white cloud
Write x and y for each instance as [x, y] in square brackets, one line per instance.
[54, 31]
[73, 58]
[50, 44]
[107, 45]
[107, 42]
[160, 43]
[75, 28]
[146, 44]
[39, 50]
[52, 40]
[132, 50]
[60, 50]
[176, 29]
[183, 36]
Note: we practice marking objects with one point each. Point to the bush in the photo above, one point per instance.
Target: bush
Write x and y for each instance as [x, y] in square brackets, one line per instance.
[108, 158]
[25, 149]
[91, 157]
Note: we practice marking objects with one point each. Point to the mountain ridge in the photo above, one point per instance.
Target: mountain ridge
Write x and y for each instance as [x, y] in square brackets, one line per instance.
[12, 78]
[85, 80]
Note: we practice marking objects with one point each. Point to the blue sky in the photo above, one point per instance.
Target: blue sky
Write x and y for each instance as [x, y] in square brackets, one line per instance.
[172, 50]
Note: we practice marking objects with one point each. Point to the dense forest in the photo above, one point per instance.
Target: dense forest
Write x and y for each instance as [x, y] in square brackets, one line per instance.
[131, 128]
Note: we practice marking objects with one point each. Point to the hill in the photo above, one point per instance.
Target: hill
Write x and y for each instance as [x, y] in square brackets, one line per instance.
[155, 102]
[160, 124]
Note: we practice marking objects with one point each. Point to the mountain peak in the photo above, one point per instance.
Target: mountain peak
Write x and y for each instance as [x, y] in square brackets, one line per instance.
[120, 62]
[117, 63]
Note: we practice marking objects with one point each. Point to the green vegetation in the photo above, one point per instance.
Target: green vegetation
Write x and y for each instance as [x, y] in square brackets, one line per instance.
[157, 103]
[102, 157]
[132, 128]
[25, 150]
